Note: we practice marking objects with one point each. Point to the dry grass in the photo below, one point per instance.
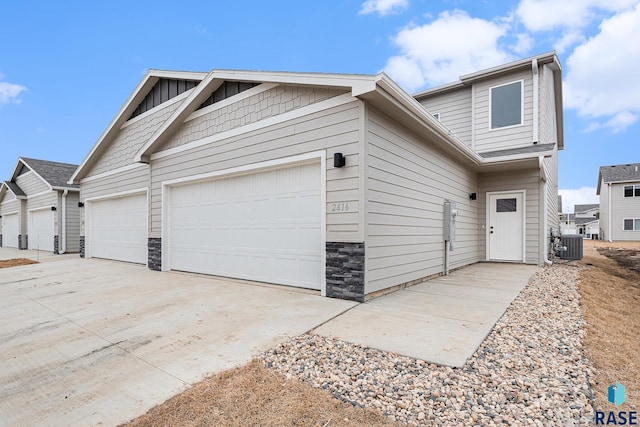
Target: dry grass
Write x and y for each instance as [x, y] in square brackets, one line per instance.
[16, 262]
[255, 396]
[610, 292]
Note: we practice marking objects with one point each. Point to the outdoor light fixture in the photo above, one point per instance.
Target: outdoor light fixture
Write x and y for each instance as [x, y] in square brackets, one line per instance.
[80, 204]
[53, 208]
[338, 160]
[472, 196]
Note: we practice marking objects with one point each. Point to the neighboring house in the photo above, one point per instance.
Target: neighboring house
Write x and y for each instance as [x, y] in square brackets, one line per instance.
[568, 224]
[619, 191]
[326, 181]
[39, 208]
[587, 220]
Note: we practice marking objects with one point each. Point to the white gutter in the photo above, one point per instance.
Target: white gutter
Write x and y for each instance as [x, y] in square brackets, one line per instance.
[609, 213]
[63, 237]
[536, 91]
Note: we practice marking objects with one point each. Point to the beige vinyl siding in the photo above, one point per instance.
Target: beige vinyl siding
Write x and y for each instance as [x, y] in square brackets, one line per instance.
[334, 129]
[553, 217]
[73, 222]
[129, 180]
[455, 111]
[604, 211]
[528, 180]
[407, 184]
[487, 139]
[30, 183]
[623, 208]
[132, 136]
[547, 107]
[252, 109]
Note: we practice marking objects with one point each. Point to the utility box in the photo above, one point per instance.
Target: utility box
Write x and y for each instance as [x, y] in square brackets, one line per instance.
[573, 243]
[450, 214]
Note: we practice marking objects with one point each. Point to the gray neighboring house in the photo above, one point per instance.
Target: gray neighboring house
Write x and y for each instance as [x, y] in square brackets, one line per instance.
[587, 220]
[619, 191]
[39, 209]
[331, 182]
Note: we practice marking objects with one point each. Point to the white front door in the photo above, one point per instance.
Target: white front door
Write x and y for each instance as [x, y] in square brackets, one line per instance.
[506, 226]
[10, 230]
[41, 229]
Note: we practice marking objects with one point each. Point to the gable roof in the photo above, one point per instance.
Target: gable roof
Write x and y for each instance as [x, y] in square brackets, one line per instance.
[523, 64]
[54, 174]
[13, 188]
[618, 173]
[583, 221]
[585, 208]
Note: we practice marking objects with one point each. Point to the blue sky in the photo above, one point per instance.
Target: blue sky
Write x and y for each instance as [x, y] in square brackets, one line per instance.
[67, 67]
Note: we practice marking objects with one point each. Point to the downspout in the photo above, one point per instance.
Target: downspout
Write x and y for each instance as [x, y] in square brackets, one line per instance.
[63, 218]
[536, 92]
[609, 214]
[544, 213]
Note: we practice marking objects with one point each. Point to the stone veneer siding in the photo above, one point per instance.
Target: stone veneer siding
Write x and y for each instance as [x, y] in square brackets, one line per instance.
[345, 270]
[154, 250]
[56, 246]
[23, 241]
[0, 240]
[81, 246]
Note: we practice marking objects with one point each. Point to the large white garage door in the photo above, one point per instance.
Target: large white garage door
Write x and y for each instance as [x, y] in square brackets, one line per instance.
[41, 230]
[10, 230]
[263, 226]
[118, 229]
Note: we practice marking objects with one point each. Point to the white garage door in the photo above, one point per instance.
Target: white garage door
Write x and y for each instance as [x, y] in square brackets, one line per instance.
[41, 229]
[10, 230]
[263, 226]
[118, 229]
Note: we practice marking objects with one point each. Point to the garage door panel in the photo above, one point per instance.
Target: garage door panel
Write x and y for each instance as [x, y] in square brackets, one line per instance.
[118, 228]
[41, 230]
[10, 230]
[258, 227]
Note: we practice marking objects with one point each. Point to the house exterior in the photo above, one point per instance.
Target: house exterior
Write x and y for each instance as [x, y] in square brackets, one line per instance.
[568, 223]
[587, 220]
[39, 209]
[332, 182]
[619, 191]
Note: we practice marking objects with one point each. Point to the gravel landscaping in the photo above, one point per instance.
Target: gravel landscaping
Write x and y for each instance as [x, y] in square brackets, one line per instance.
[530, 370]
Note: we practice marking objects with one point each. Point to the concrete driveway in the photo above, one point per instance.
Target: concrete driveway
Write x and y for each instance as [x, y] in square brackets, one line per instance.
[92, 342]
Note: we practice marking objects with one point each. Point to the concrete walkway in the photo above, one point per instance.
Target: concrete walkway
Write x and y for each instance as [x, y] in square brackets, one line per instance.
[40, 256]
[443, 320]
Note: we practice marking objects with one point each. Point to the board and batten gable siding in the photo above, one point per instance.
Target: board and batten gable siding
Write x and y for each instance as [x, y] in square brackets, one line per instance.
[73, 222]
[487, 139]
[30, 183]
[454, 108]
[334, 129]
[528, 180]
[128, 180]
[222, 117]
[623, 208]
[132, 136]
[604, 211]
[407, 184]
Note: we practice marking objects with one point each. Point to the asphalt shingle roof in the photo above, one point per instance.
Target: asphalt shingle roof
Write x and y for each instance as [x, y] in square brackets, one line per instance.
[630, 172]
[55, 173]
[584, 208]
[14, 188]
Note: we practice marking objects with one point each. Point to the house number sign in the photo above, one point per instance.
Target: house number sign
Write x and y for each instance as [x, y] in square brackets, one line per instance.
[340, 207]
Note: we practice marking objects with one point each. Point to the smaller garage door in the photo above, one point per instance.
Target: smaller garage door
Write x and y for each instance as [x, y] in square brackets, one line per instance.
[10, 230]
[118, 228]
[41, 229]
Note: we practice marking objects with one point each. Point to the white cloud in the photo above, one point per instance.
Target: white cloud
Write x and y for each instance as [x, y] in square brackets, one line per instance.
[601, 81]
[9, 92]
[569, 38]
[383, 7]
[580, 196]
[439, 52]
[523, 44]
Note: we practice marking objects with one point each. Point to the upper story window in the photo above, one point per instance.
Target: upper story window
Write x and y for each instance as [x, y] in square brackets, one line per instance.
[632, 191]
[506, 105]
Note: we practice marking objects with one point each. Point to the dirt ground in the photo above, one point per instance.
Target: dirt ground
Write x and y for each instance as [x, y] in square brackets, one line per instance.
[255, 396]
[16, 262]
[610, 295]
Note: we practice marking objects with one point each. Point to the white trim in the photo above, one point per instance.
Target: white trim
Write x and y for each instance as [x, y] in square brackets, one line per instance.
[10, 213]
[536, 94]
[10, 201]
[263, 87]
[119, 170]
[154, 110]
[521, 81]
[87, 217]
[247, 169]
[633, 224]
[30, 224]
[300, 112]
[488, 194]
[31, 170]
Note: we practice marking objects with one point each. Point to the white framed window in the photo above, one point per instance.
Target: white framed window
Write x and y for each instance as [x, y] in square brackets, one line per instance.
[631, 224]
[632, 191]
[507, 105]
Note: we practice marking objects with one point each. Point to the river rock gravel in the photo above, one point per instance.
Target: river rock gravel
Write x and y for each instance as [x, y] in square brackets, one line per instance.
[530, 370]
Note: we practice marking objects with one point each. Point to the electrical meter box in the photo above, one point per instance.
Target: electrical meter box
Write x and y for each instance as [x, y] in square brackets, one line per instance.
[450, 214]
